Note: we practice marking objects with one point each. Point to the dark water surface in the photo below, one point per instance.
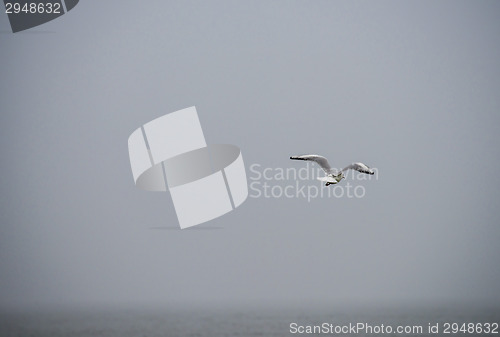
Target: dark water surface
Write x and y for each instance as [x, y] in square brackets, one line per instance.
[213, 321]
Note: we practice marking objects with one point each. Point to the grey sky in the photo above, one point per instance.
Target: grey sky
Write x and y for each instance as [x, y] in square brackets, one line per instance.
[411, 88]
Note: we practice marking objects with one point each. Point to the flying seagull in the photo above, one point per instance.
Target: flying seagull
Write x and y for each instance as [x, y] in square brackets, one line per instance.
[332, 177]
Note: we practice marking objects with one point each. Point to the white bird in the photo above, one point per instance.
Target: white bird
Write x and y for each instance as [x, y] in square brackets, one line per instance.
[333, 177]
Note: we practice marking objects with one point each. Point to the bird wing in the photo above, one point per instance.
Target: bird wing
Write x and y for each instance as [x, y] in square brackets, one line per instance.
[360, 167]
[322, 161]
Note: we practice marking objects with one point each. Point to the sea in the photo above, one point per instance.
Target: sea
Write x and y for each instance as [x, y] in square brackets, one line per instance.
[222, 321]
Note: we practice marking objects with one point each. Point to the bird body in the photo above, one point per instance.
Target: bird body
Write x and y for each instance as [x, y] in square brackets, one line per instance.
[333, 177]
[330, 179]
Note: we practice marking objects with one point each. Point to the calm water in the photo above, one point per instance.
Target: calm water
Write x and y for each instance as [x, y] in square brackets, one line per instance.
[227, 322]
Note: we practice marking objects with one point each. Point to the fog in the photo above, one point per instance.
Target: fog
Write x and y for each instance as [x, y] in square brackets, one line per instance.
[409, 88]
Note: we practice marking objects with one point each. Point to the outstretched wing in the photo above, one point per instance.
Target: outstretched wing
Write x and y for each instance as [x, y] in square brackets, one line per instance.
[322, 161]
[360, 167]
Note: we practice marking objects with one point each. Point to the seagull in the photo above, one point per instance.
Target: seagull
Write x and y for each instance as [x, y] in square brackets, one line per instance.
[332, 177]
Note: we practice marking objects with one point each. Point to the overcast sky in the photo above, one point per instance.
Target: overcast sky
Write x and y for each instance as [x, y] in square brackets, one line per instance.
[410, 88]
